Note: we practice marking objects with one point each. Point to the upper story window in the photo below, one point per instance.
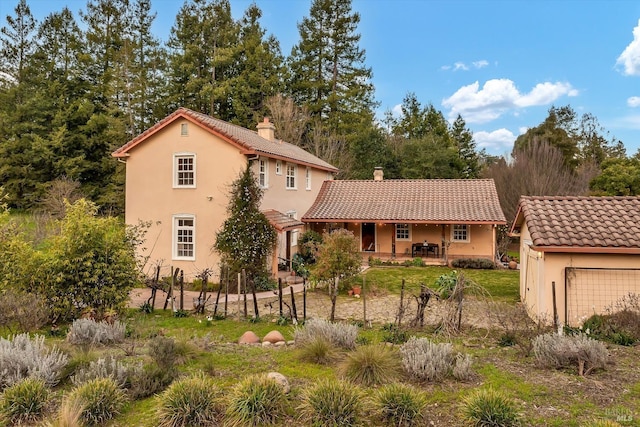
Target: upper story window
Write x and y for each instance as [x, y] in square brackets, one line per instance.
[291, 176]
[308, 178]
[460, 233]
[184, 233]
[263, 173]
[403, 232]
[278, 167]
[184, 167]
[184, 129]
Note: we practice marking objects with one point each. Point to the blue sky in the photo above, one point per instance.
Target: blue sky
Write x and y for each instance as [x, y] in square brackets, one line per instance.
[500, 64]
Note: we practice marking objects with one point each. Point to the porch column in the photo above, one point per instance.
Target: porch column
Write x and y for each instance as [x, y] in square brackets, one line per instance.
[393, 241]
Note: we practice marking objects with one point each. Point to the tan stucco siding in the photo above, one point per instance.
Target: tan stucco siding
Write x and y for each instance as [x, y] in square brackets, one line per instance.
[151, 196]
[480, 244]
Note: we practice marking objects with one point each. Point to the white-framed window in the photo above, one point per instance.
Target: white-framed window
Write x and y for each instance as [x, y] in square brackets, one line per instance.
[263, 173]
[184, 237]
[460, 233]
[184, 129]
[291, 176]
[403, 232]
[308, 178]
[184, 170]
[278, 167]
[294, 233]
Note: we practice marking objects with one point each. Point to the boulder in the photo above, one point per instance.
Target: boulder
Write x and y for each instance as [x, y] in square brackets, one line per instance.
[249, 337]
[280, 379]
[273, 337]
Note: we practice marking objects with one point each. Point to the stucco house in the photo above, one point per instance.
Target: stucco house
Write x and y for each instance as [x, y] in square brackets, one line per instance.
[178, 176]
[586, 248]
[413, 217]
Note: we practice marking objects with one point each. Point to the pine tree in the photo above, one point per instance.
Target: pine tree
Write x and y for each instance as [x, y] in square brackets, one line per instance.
[328, 71]
[463, 139]
[16, 42]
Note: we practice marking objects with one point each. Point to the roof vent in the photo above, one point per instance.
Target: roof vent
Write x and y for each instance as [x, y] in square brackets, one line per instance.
[378, 174]
[266, 129]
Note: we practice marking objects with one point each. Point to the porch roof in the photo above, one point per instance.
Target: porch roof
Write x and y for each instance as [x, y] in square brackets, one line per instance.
[581, 223]
[280, 221]
[437, 201]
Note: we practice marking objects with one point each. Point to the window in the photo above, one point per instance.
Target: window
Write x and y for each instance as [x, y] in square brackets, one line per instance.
[263, 173]
[184, 129]
[460, 233]
[184, 167]
[294, 233]
[184, 244]
[308, 178]
[403, 232]
[278, 167]
[291, 177]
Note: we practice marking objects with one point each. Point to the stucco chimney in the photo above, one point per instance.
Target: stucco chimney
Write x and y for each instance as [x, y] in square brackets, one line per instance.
[266, 129]
[378, 174]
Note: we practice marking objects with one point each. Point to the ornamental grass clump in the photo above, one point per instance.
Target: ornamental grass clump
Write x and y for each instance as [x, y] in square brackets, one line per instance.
[101, 400]
[190, 402]
[371, 365]
[256, 401]
[22, 356]
[399, 405]
[25, 402]
[331, 403]
[339, 334]
[490, 408]
[559, 351]
[319, 351]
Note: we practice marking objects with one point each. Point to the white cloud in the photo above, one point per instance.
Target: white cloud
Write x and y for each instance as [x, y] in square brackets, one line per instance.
[397, 110]
[480, 64]
[629, 59]
[522, 130]
[460, 66]
[498, 96]
[633, 101]
[497, 142]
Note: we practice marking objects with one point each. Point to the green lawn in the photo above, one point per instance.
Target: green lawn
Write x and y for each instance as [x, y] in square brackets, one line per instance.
[502, 285]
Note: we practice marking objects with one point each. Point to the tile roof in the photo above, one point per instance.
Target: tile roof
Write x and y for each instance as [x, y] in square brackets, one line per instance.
[595, 224]
[249, 140]
[424, 200]
[281, 221]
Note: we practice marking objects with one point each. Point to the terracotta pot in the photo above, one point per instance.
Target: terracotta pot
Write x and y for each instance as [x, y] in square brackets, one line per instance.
[513, 265]
[356, 290]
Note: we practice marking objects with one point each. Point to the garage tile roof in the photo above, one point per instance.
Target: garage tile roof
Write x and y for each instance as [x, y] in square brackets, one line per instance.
[581, 222]
[439, 201]
[249, 140]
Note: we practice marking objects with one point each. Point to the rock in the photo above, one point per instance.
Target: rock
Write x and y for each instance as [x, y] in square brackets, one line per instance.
[249, 337]
[280, 344]
[280, 379]
[513, 265]
[266, 344]
[273, 337]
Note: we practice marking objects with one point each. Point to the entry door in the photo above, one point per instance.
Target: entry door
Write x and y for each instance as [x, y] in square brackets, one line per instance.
[368, 238]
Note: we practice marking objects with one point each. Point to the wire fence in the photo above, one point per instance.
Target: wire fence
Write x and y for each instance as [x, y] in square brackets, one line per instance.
[596, 290]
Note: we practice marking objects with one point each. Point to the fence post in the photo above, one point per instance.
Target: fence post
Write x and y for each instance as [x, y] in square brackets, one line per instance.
[294, 315]
[304, 299]
[555, 307]
[280, 294]
[364, 301]
[239, 285]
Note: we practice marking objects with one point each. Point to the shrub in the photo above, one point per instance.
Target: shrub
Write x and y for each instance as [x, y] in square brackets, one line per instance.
[22, 357]
[101, 400]
[476, 263]
[22, 311]
[332, 403]
[149, 380]
[399, 405]
[487, 407]
[87, 332]
[108, 367]
[446, 283]
[462, 367]
[622, 327]
[371, 365]
[24, 402]
[318, 350]
[164, 351]
[425, 360]
[190, 401]
[339, 334]
[394, 334]
[560, 351]
[257, 400]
